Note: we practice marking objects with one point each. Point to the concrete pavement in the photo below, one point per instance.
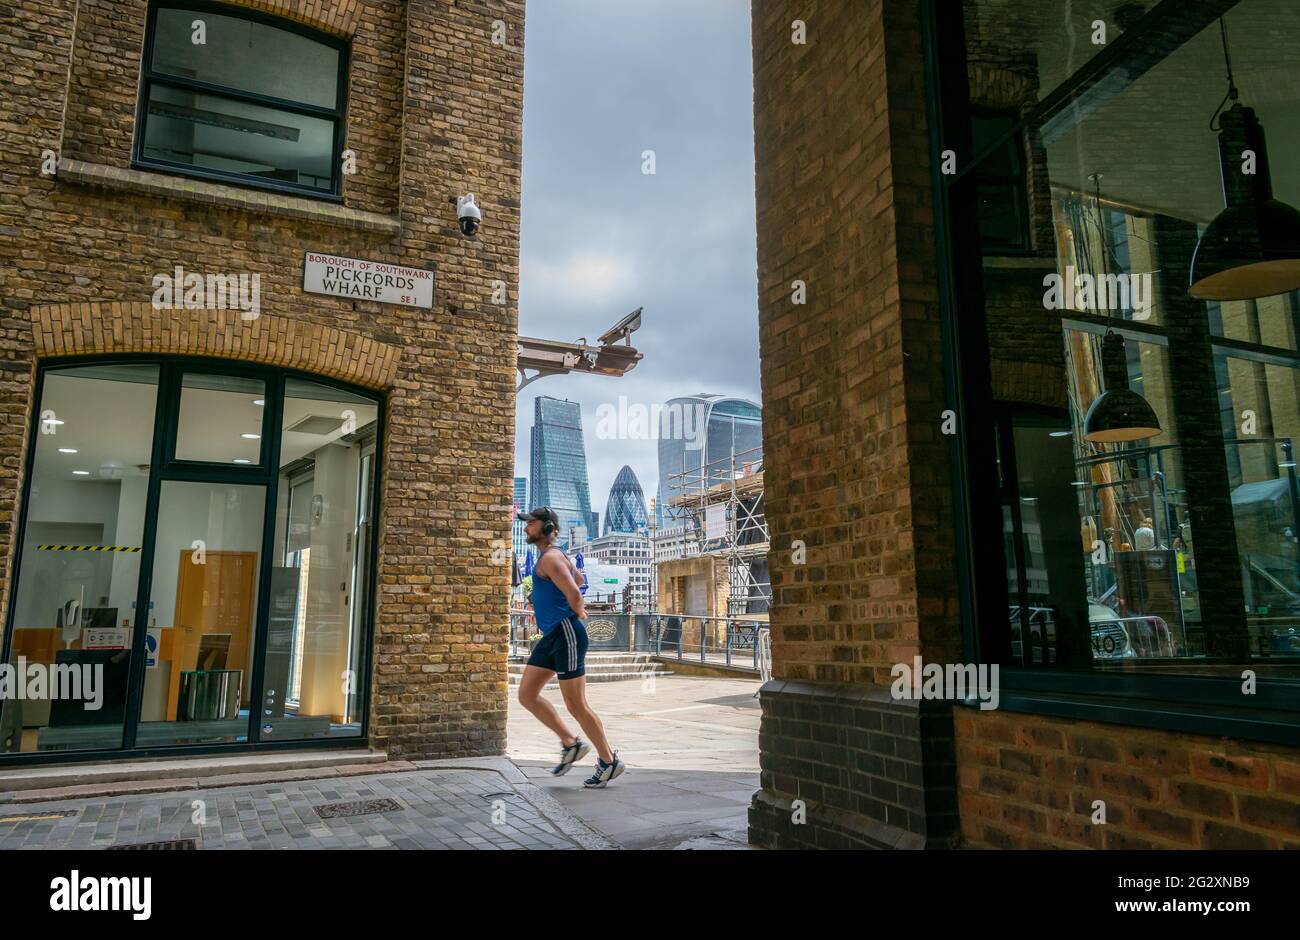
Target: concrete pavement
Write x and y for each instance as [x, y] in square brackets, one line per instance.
[691, 746]
[484, 803]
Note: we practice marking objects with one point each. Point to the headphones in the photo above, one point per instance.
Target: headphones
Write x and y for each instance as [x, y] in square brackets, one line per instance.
[548, 526]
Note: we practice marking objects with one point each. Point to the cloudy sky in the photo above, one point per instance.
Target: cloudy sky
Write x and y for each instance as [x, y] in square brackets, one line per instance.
[605, 80]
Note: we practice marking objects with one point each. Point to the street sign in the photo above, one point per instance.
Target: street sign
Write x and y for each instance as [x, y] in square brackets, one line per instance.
[367, 280]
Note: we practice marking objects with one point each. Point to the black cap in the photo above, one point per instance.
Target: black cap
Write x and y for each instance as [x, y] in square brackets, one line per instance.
[542, 514]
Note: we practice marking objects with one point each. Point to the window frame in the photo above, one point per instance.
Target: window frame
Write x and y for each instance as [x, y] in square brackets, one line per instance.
[1017, 184]
[149, 78]
[1180, 702]
[163, 468]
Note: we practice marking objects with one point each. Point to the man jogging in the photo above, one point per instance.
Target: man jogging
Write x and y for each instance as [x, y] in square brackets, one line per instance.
[562, 651]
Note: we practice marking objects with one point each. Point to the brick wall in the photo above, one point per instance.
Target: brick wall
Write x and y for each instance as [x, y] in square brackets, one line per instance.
[435, 111]
[855, 465]
[1030, 782]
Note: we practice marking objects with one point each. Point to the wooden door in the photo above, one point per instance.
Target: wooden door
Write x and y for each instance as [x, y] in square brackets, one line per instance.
[215, 597]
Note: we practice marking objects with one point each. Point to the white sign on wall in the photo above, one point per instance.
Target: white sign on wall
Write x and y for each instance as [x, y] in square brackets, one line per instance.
[715, 521]
[367, 280]
[107, 638]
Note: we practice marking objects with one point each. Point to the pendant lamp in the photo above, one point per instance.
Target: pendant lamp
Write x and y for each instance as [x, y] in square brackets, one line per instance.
[1252, 248]
[1119, 414]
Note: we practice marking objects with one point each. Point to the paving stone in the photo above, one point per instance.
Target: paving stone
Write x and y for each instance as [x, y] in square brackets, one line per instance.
[434, 809]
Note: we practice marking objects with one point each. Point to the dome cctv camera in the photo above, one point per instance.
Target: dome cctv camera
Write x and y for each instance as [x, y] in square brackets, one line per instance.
[468, 215]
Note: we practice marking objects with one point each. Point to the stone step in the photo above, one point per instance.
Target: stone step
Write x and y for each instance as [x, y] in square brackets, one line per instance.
[621, 676]
[597, 669]
[92, 775]
[618, 660]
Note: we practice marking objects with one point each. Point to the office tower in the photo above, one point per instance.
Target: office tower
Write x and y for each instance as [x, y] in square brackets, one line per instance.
[625, 509]
[558, 465]
[630, 550]
[518, 541]
[703, 439]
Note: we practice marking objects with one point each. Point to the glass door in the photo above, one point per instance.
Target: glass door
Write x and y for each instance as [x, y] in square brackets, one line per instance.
[69, 663]
[203, 606]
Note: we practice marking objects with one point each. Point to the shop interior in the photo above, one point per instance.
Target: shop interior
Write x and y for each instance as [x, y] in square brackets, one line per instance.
[83, 544]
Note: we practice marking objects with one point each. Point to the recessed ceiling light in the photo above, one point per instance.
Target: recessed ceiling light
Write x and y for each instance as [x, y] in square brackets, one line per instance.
[67, 450]
[81, 473]
[242, 460]
[250, 437]
[259, 401]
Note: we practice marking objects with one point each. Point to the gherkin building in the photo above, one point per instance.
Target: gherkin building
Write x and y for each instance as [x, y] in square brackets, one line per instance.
[625, 511]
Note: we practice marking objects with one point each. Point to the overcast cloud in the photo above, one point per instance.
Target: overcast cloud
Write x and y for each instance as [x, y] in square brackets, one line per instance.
[605, 80]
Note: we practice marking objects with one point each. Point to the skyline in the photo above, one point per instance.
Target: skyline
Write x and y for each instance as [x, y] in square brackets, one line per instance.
[600, 238]
[601, 509]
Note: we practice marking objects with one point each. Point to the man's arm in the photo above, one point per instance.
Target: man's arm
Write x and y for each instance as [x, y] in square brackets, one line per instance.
[562, 578]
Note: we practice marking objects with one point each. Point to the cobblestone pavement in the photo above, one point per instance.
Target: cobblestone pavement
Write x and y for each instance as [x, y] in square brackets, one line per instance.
[691, 747]
[438, 808]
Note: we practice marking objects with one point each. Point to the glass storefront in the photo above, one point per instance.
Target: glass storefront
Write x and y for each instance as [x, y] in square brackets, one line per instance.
[197, 554]
[1125, 333]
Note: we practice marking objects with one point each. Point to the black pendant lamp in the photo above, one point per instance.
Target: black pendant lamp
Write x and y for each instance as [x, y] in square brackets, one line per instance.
[1252, 248]
[1119, 414]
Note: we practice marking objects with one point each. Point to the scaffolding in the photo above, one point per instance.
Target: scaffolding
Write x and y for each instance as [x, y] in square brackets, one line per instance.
[725, 501]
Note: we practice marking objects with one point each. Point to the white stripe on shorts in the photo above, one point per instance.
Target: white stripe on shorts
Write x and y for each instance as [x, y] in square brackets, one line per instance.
[573, 644]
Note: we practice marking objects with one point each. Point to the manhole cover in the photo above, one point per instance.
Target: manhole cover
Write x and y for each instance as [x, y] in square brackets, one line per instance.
[358, 808]
[43, 814]
[169, 846]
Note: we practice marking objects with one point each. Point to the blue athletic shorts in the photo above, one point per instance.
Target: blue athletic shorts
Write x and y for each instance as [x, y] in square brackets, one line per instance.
[563, 650]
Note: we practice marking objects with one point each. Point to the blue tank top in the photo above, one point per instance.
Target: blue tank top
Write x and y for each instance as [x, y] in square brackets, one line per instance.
[550, 606]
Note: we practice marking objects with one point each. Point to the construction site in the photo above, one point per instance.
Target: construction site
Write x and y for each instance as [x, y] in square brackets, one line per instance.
[711, 578]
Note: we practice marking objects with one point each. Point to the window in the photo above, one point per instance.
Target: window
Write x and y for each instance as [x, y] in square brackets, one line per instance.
[231, 94]
[220, 599]
[1140, 441]
[1003, 205]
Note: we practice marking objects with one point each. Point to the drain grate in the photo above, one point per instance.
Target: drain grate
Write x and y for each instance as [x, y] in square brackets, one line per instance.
[358, 808]
[173, 845]
[38, 816]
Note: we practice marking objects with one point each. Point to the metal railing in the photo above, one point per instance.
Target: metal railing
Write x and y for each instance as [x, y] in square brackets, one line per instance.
[724, 641]
[728, 641]
[523, 625]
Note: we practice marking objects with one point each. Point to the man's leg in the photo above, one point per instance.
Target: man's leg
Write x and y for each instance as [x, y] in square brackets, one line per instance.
[575, 700]
[530, 696]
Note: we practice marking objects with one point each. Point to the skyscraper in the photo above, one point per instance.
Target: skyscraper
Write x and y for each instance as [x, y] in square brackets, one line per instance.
[698, 436]
[518, 542]
[625, 510]
[558, 464]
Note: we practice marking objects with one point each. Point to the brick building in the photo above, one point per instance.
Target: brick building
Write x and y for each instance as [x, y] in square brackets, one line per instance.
[276, 503]
[936, 433]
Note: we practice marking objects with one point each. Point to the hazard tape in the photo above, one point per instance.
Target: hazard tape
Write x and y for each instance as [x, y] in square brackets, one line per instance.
[87, 548]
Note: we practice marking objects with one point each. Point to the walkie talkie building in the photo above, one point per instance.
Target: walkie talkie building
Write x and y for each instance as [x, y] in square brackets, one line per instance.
[698, 435]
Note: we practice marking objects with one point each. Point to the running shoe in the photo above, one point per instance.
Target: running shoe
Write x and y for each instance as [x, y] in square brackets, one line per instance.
[604, 773]
[570, 756]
